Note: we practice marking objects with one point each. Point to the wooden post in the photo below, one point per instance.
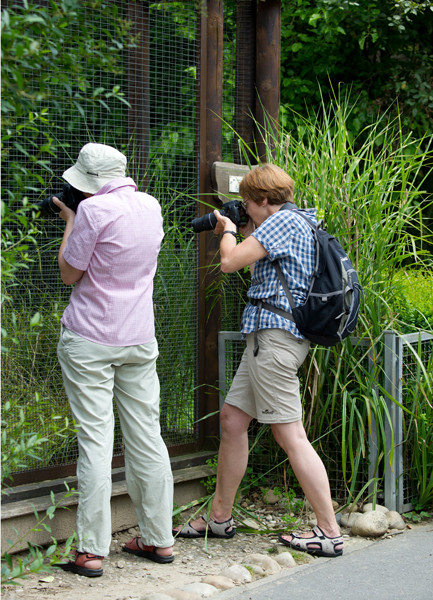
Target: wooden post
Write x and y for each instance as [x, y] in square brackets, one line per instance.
[209, 310]
[268, 58]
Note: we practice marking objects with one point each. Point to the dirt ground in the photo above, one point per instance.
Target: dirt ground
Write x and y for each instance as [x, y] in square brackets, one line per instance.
[127, 577]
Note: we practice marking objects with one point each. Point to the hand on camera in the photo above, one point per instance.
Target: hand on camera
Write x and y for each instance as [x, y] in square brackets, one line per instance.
[223, 224]
[65, 213]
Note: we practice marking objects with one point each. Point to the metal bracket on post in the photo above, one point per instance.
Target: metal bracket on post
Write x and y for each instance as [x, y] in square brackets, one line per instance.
[394, 445]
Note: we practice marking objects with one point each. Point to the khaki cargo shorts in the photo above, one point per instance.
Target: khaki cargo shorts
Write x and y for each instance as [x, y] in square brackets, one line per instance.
[266, 386]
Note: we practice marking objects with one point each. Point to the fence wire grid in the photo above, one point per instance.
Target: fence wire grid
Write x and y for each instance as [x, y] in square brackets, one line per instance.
[143, 103]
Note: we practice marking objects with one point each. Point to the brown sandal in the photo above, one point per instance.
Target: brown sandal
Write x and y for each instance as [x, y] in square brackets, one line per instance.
[78, 565]
[134, 547]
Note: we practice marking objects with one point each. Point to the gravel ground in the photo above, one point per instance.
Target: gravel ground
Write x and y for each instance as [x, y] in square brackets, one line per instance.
[127, 577]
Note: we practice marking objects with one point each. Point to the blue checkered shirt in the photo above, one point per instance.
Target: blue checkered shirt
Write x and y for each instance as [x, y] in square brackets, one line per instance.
[286, 236]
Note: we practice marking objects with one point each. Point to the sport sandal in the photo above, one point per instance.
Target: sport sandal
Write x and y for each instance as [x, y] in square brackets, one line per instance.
[318, 545]
[78, 565]
[215, 529]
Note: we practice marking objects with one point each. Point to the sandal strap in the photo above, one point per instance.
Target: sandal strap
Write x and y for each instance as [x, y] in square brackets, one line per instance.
[218, 527]
[319, 541]
[88, 557]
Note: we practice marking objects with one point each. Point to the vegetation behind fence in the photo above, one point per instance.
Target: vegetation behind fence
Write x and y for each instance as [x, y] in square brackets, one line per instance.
[70, 73]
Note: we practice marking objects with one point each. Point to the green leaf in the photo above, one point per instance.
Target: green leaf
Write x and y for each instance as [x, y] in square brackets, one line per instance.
[35, 320]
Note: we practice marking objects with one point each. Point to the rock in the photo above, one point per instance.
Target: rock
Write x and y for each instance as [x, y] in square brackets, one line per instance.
[218, 581]
[268, 564]
[203, 590]
[251, 523]
[237, 573]
[256, 569]
[348, 519]
[120, 564]
[308, 507]
[352, 508]
[379, 508]
[395, 520]
[182, 595]
[285, 560]
[270, 498]
[370, 524]
[156, 596]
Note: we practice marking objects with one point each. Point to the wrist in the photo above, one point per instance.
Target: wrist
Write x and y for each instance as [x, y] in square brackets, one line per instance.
[231, 232]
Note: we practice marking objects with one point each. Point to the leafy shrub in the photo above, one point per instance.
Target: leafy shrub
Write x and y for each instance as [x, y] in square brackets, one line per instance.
[414, 299]
[22, 445]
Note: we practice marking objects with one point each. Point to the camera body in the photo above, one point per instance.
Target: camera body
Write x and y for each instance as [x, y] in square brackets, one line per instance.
[234, 210]
[69, 196]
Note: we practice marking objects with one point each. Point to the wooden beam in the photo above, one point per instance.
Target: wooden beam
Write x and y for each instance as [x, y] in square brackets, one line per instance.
[209, 309]
[268, 59]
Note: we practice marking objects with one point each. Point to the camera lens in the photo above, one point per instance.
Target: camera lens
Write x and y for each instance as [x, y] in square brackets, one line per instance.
[47, 207]
[204, 223]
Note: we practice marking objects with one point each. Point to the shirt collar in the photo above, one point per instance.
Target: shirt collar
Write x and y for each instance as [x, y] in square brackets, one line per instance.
[115, 184]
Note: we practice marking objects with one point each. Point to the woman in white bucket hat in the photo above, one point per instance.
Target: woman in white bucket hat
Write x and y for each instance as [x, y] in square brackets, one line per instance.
[107, 349]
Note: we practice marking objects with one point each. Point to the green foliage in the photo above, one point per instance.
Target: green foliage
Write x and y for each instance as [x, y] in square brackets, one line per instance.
[210, 481]
[417, 517]
[294, 505]
[418, 428]
[19, 236]
[381, 49]
[36, 559]
[20, 447]
[36, 39]
[413, 299]
[22, 440]
[49, 54]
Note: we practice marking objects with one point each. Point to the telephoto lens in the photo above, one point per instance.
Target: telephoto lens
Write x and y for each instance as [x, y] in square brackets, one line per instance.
[233, 209]
[205, 223]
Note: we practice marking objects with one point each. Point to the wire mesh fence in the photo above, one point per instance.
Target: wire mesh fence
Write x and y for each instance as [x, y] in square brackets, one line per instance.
[128, 76]
[412, 376]
[408, 361]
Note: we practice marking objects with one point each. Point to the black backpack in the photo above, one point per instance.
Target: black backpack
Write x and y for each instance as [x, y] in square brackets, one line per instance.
[330, 311]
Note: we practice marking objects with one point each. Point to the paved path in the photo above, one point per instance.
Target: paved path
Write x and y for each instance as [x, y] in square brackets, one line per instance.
[397, 568]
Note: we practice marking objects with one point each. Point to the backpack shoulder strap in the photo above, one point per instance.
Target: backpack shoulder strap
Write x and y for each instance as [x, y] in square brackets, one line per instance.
[283, 281]
[294, 208]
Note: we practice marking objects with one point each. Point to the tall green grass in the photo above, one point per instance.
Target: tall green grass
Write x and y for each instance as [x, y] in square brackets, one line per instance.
[370, 190]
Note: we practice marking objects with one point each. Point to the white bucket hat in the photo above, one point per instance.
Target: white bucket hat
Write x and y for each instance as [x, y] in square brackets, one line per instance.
[96, 165]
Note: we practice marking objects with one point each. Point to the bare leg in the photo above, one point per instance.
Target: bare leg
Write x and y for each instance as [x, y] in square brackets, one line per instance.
[310, 472]
[232, 463]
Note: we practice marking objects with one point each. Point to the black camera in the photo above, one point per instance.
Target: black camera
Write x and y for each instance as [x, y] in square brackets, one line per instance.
[234, 210]
[69, 196]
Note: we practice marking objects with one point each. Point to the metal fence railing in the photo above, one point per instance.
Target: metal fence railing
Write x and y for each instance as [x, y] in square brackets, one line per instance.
[405, 356]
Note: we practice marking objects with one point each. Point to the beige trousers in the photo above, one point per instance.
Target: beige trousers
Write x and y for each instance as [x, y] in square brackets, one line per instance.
[93, 374]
